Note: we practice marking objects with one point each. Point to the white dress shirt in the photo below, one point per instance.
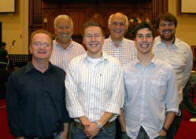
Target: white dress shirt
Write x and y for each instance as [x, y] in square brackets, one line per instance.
[149, 92]
[179, 55]
[124, 53]
[61, 57]
[94, 87]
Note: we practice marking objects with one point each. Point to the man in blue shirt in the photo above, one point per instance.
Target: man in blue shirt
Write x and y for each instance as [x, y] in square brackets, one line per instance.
[150, 90]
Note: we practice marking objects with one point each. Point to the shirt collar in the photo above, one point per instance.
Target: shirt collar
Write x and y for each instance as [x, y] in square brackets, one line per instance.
[29, 67]
[174, 43]
[153, 61]
[59, 46]
[121, 42]
[104, 57]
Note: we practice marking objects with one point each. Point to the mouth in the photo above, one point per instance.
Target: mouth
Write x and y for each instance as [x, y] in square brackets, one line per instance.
[145, 45]
[42, 52]
[117, 31]
[64, 35]
[166, 32]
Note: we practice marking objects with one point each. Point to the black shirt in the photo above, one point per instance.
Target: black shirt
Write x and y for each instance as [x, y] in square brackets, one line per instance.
[3, 55]
[36, 101]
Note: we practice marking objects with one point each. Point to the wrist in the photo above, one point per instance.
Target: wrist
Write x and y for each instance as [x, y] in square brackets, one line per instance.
[99, 124]
[164, 129]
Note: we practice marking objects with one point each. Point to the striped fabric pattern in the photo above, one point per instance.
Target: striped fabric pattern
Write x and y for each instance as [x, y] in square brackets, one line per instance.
[125, 53]
[61, 57]
[93, 89]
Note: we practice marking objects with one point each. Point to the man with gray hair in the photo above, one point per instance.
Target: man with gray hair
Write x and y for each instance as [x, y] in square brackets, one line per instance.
[116, 45]
[64, 48]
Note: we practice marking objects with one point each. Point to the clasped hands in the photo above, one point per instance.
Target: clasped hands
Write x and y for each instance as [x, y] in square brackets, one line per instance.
[90, 129]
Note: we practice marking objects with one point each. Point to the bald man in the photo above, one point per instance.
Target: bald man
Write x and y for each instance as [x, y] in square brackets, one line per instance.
[116, 45]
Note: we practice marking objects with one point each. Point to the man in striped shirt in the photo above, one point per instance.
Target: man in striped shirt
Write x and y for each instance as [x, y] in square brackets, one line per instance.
[116, 45]
[95, 88]
[64, 48]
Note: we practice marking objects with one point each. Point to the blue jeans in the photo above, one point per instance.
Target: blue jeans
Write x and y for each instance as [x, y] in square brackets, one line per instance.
[143, 135]
[104, 133]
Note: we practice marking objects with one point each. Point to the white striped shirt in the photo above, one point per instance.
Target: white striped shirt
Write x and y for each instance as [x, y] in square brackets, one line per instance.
[61, 57]
[179, 55]
[125, 53]
[93, 89]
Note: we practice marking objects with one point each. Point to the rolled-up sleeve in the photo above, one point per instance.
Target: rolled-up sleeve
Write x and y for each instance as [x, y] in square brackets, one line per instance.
[171, 100]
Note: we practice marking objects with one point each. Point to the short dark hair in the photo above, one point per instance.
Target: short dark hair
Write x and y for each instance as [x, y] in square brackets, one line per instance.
[142, 26]
[90, 23]
[166, 17]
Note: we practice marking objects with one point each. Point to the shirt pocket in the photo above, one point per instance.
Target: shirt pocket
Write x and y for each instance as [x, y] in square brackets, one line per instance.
[131, 86]
[158, 87]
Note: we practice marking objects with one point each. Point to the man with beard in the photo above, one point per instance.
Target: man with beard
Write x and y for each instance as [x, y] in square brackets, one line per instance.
[64, 48]
[116, 45]
[177, 53]
[150, 90]
[95, 88]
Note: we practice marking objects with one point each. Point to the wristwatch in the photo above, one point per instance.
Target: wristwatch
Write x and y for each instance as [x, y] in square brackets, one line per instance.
[99, 125]
[165, 129]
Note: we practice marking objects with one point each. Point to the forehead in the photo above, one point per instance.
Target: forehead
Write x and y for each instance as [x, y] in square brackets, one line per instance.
[144, 31]
[166, 22]
[63, 21]
[41, 37]
[92, 29]
[118, 18]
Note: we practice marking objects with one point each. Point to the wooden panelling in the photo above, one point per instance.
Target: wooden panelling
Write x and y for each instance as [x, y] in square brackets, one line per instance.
[42, 13]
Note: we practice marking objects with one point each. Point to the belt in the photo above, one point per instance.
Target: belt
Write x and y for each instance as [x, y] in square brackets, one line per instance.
[107, 125]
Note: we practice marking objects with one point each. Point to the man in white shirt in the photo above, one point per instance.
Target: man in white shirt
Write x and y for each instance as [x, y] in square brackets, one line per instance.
[150, 90]
[64, 48]
[95, 88]
[116, 45]
[178, 54]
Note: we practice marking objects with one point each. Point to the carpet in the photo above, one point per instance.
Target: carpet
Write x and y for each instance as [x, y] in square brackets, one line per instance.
[187, 130]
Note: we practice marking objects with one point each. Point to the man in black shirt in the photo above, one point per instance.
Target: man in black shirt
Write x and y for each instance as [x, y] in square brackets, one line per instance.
[36, 95]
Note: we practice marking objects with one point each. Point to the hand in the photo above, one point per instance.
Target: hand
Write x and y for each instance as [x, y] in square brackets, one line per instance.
[92, 130]
[84, 121]
[20, 138]
[162, 133]
[64, 135]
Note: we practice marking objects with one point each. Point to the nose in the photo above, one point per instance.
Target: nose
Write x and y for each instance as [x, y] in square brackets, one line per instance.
[93, 38]
[144, 38]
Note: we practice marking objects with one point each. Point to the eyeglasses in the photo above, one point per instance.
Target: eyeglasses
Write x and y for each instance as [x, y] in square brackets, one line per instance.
[38, 44]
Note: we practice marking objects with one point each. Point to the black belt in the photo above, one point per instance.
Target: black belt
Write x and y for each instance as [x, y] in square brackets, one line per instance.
[107, 125]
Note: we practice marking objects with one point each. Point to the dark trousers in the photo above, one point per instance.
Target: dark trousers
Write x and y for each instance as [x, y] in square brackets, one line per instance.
[175, 125]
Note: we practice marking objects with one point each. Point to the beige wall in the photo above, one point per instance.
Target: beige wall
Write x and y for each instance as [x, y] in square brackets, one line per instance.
[15, 27]
[186, 29]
